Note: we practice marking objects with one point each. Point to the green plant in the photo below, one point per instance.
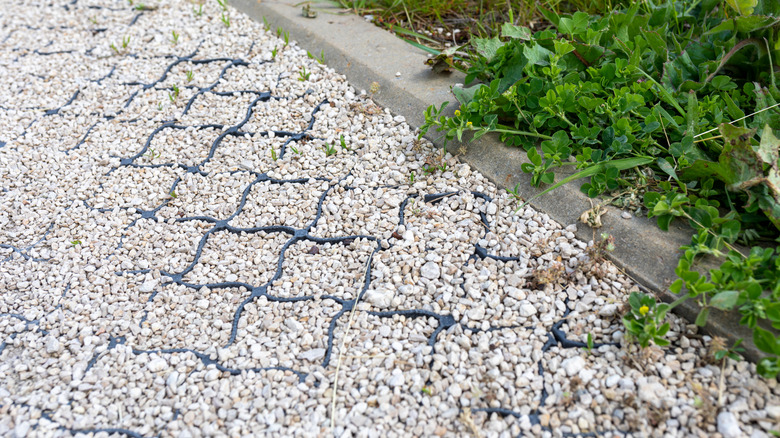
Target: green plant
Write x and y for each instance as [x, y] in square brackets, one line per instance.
[343, 143]
[113, 47]
[190, 75]
[274, 52]
[198, 11]
[222, 4]
[174, 37]
[589, 344]
[225, 19]
[125, 42]
[411, 178]
[175, 94]
[330, 149]
[151, 153]
[295, 151]
[303, 75]
[75, 242]
[644, 320]
[633, 98]
[320, 60]
[280, 32]
[173, 194]
[273, 154]
[159, 106]
[93, 20]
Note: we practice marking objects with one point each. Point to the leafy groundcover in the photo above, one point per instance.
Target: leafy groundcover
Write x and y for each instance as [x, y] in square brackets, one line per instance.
[670, 108]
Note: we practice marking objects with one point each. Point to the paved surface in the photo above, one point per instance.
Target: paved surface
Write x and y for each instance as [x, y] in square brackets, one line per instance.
[187, 249]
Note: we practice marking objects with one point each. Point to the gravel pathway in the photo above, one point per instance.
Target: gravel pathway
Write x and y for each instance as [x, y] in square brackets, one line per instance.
[207, 232]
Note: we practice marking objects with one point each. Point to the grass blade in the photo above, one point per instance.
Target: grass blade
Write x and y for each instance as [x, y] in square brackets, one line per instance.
[622, 164]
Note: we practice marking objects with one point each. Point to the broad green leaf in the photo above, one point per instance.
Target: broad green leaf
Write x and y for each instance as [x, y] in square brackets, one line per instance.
[465, 95]
[537, 55]
[487, 47]
[667, 168]
[766, 341]
[701, 319]
[509, 30]
[573, 25]
[743, 7]
[739, 158]
[725, 300]
[621, 164]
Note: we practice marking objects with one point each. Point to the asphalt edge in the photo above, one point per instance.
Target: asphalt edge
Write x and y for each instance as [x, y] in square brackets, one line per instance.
[366, 54]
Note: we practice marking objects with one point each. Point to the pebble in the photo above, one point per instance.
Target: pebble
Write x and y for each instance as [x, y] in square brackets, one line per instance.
[430, 270]
[157, 365]
[573, 365]
[313, 355]
[728, 426]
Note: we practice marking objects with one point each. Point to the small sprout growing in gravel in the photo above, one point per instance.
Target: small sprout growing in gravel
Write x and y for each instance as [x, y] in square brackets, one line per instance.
[274, 52]
[222, 4]
[151, 153]
[75, 242]
[411, 178]
[93, 20]
[515, 192]
[190, 75]
[175, 93]
[330, 149]
[374, 88]
[225, 19]
[426, 390]
[159, 106]
[295, 151]
[284, 35]
[265, 23]
[173, 194]
[589, 344]
[303, 75]
[343, 143]
[175, 37]
[125, 42]
[320, 60]
[113, 47]
[197, 11]
[273, 154]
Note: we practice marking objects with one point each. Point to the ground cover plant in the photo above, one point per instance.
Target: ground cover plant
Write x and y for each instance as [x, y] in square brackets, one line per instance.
[669, 107]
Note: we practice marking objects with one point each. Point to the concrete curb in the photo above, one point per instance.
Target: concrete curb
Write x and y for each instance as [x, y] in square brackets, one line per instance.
[366, 54]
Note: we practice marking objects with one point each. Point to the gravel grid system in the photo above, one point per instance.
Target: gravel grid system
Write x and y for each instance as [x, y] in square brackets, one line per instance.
[197, 255]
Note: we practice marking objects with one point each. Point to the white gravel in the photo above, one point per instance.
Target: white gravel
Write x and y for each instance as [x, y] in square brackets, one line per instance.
[191, 273]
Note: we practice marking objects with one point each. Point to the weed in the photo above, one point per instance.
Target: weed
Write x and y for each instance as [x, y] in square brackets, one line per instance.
[515, 193]
[173, 194]
[175, 94]
[198, 11]
[174, 37]
[225, 19]
[93, 20]
[125, 42]
[426, 390]
[159, 106]
[280, 32]
[343, 143]
[222, 4]
[554, 274]
[265, 23]
[295, 151]
[75, 242]
[320, 60]
[589, 344]
[151, 153]
[190, 75]
[274, 52]
[373, 88]
[644, 320]
[330, 149]
[303, 75]
[273, 154]
[411, 178]
[113, 47]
